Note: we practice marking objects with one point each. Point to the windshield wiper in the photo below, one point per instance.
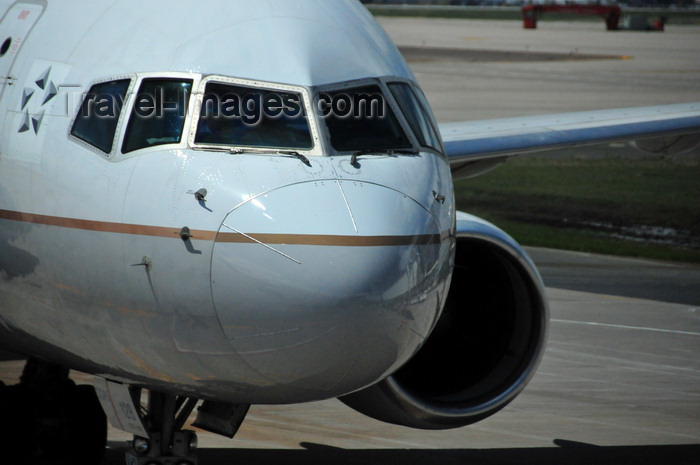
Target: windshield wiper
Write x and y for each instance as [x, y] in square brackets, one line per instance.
[359, 153]
[292, 153]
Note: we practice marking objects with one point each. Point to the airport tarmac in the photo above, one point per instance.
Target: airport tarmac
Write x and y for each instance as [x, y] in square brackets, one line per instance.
[620, 380]
[640, 68]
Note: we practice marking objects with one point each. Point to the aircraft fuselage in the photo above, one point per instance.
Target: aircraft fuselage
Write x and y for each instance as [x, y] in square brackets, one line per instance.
[237, 272]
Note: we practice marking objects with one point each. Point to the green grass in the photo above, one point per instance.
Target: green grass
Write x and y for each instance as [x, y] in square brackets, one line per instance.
[586, 203]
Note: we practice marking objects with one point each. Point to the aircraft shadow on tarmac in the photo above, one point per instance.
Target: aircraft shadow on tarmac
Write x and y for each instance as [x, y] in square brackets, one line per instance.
[564, 453]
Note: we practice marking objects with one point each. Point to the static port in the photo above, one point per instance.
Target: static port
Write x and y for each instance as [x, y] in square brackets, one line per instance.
[5, 46]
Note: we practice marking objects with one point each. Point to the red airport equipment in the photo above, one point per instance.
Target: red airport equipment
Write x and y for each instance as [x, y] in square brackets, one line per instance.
[611, 13]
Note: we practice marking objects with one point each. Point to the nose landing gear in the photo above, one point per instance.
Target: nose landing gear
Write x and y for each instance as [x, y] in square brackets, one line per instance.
[167, 442]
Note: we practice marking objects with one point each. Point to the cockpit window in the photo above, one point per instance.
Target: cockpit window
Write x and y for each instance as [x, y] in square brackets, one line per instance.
[244, 116]
[360, 119]
[415, 114]
[158, 115]
[99, 113]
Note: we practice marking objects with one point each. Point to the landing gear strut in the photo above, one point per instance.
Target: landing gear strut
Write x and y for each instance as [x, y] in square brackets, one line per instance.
[47, 420]
[167, 442]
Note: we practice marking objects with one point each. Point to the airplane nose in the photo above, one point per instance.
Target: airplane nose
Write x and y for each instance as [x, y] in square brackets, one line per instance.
[324, 268]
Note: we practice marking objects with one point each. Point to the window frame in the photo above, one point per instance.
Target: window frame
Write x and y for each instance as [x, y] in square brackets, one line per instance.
[320, 136]
[134, 116]
[357, 83]
[133, 91]
[317, 148]
[422, 101]
[120, 120]
[136, 79]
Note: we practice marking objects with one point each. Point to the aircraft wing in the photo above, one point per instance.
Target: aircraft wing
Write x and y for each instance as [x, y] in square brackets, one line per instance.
[474, 147]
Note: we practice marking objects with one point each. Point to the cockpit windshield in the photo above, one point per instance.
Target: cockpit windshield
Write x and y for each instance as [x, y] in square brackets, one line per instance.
[243, 116]
[158, 115]
[414, 108]
[360, 119]
[382, 116]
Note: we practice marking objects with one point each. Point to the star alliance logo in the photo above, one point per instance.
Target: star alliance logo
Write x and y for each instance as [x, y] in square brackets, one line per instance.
[47, 88]
[40, 98]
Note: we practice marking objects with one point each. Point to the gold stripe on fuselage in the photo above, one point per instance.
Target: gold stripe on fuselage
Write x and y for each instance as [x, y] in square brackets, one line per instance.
[230, 238]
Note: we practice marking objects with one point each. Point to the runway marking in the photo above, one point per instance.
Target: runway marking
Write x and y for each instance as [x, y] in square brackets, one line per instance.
[622, 362]
[638, 328]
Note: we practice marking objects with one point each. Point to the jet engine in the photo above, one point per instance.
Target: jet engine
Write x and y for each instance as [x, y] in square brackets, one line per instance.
[484, 348]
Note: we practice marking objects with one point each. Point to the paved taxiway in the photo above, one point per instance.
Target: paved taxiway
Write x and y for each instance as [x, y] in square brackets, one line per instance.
[650, 68]
[620, 380]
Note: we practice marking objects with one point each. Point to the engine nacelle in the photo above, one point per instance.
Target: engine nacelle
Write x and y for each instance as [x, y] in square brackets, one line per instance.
[485, 347]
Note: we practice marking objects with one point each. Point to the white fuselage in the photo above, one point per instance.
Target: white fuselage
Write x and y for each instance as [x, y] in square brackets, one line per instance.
[298, 281]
